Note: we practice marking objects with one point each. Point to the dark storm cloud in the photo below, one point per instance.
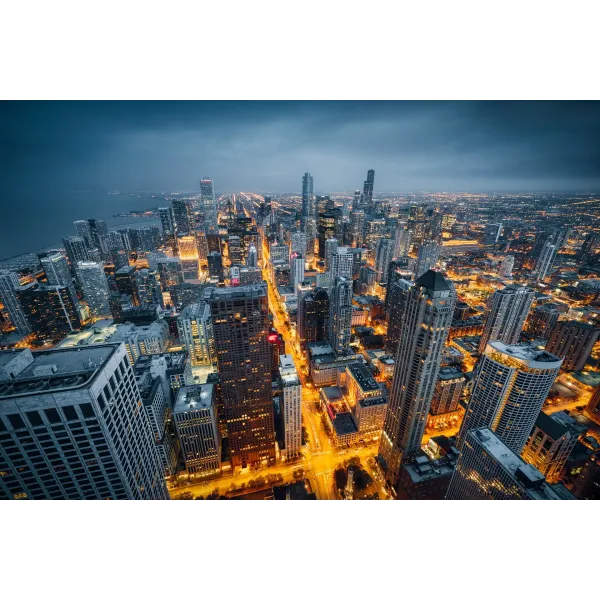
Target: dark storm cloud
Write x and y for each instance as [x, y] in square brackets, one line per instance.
[168, 146]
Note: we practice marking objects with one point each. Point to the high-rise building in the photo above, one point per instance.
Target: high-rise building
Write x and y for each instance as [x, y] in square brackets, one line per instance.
[507, 310]
[209, 201]
[234, 247]
[166, 222]
[544, 262]
[80, 407]
[510, 386]
[396, 311]
[307, 192]
[252, 257]
[296, 270]
[448, 391]
[194, 326]
[95, 287]
[383, 258]
[303, 296]
[291, 397]
[215, 265]
[9, 284]
[401, 242]
[57, 270]
[197, 426]
[506, 266]
[170, 272]
[84, 231]
[428, 315]
[573, 341]
[49, 309]
[330, 223]
[183, 216]
[240, 317]
[488, 470]
[542, 320]
[429, 253]
[341, 263]
[551, 441]
[587, 249]
[297, 244]
[340, 314]
[148, 287]
[357, 228]
[356, 201]
[76, 249]
[127, 284]
[368, 190]
[331, 245]
[316, 316]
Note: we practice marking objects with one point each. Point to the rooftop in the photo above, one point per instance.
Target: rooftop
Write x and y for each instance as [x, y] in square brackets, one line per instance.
[344, 424]
[49, 371]
[194, 397]
[527, 354]
[363, 377]
[528, 476]
[434, 281]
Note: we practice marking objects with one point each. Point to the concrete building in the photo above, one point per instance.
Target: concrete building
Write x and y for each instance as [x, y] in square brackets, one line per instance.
[542, 320]
[80, 409]
[429, 309]
[448, 391]
[551, 442]
[429, 254]
[196, 423]
[240, 318]
[507, 310]
[573, 341]
[487, 469]
[194, 326]
[141, 339]
[340, 315]
[291, 398]
[9, 284]
[95, 288]
[510, 385]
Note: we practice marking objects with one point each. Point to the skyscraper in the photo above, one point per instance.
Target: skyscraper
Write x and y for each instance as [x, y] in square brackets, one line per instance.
[427, 319]
[307, 192]
[397, 295]
[304, 303]
[215, 265]
[80, 407]
[587, 249]
[401, 242]
[357, 228]
[368, 190]
[241, 328]
[296, 270]
[340, 314]
[95, 287]
[544, 262]
[507, 310]
[57, 270]
[488, 470]
[166, 222]
[573, 341]
[183, 216]
[291, 397]
[551, 441]
[9, 283]
[542, 320]
[427, 258]
[331, 246]
[76, 249]
[49, 309]
[385, 250]
[341, 263]
[510, 386]
[209, 201]
[194, 326]
[197, 426]
[82, 227]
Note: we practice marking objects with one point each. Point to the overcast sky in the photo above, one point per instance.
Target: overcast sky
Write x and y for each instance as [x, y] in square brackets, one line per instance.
[432, 146]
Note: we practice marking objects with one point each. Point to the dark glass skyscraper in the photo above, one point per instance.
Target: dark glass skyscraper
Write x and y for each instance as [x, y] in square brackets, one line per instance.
[368, 190]
[307, 192]
[240, 319]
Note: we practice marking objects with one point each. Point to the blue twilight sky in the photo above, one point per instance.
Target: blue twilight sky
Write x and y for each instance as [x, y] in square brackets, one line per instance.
[50, 147]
